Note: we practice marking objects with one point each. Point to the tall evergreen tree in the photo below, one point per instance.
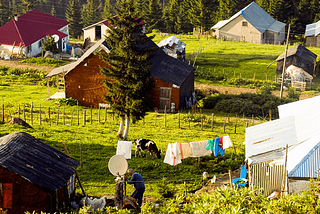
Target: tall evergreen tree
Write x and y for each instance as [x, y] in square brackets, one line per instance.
[141, 7]
[227, 8]
[128, 81]
[53, 11]
[73, 16]
[91, 12]
[28, 5]
[183, 23]
[154, 15]
[170, 15]
[5, 12]
[108, 10]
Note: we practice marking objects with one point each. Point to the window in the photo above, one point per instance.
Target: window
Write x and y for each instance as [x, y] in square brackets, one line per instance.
[245, 24]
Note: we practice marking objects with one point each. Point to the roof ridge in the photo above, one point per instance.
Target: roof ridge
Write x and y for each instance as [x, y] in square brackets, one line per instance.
[18, 31]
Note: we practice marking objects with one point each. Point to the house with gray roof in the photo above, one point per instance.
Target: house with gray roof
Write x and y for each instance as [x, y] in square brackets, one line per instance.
[312, 34]
[251, 24]
[34, 176]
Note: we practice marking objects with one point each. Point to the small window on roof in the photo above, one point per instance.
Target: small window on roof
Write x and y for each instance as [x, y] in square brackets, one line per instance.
[245, 24]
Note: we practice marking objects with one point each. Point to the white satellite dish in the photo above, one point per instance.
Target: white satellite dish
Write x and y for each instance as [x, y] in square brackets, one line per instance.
[118, 165]
[56, 37]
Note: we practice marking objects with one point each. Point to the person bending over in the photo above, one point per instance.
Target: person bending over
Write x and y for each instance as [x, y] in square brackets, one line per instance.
[137, 181]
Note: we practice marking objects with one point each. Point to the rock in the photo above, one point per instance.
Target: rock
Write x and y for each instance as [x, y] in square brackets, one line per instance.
[19, 121]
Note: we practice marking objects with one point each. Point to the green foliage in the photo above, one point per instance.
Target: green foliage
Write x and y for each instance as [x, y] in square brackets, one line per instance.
[49, 45]
[67, 101]
[247, 104]
[73, 16]
[293, 93]
[166, 189]
[128, 77]
[193, 117]
[91, 12]
[44, 62]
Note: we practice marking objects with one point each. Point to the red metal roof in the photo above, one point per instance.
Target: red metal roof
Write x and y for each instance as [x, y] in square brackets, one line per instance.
[31, 27]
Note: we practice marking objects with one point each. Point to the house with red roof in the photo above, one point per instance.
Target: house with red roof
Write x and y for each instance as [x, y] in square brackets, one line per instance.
[98, 30]
[23, 34]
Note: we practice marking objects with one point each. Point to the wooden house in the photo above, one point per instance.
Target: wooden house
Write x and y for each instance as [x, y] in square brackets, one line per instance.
[82, 80]
[251, 24]
[312, 34]
[298, 56]
[23, 34]
[34, 176]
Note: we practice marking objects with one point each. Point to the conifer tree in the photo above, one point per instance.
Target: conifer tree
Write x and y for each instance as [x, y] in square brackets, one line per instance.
[128, 81]
[154, 15]
[91, 12]
[53, 11]
[108, 10]
[74, 18]
[170, 14]
[141, 7]
[5, 12]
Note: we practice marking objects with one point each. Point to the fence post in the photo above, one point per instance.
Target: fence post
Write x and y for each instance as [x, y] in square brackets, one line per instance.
[235, 126]
[99, 115]
[64, 120]
[105, 115]
[84, 117]
[19, 112]
[212, 122]
[57, 116]
[49, 116]
[78, 112]
[91, 115]
[252, 119]
[2, 112]
[165, 116]
[39, 114]
[24, 112]
[270, 113]
[224, 126]
[201, 119]
[31, 116]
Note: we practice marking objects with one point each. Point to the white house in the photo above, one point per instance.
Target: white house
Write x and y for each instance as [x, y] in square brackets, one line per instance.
[23, 34]
[312, 34]
[251, 24]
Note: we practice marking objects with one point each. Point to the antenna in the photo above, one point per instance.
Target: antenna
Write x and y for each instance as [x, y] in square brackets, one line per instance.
[118, 165]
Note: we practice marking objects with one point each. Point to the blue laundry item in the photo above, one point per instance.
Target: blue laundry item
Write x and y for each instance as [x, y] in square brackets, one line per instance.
[213, 145]
[243, 177]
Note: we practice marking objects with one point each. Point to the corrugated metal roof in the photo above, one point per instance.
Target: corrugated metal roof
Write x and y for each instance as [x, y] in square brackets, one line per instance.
[304, 160]
[300, 51]
[257, 17]
[269, 136]
[30, 27]
[312, 29]
[174, 43]
[36, 161]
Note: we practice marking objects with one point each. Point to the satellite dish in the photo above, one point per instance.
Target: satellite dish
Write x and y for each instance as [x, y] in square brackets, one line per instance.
[118, 165]
[56, 37]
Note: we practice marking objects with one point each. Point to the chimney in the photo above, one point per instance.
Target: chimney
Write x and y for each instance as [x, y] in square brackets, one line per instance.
[15, 17]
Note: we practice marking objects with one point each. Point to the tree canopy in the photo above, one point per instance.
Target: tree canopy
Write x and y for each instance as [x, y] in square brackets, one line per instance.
[128, 79]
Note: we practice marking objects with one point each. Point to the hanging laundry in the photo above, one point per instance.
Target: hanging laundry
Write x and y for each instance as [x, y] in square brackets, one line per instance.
[216, 148]
[211, 143]
[199, 149]
[124, 149]
[226, 142]
[172, 155]
[185, 150]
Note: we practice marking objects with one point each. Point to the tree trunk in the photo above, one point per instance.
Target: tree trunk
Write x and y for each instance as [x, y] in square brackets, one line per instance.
[120, 132]
[126, 129]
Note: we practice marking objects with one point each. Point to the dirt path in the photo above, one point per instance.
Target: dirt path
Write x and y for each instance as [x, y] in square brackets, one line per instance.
[15, 64]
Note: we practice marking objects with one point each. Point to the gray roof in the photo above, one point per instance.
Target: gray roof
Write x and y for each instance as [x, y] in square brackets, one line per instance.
[101, 44]
[164, 67]
[312, 29]
[36, 161]
[257, 17]
[301, 52]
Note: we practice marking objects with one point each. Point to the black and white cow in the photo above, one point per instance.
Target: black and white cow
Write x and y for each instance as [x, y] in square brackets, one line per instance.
[147, 145]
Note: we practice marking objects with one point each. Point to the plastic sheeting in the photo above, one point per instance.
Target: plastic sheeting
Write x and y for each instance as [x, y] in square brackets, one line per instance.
[298, 74]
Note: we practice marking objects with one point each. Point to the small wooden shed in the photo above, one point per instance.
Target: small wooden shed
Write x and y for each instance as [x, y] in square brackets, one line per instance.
[298, 56]
[82, 80]
[34, 176]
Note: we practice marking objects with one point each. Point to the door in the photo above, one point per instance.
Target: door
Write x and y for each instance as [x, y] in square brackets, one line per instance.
[165, 98]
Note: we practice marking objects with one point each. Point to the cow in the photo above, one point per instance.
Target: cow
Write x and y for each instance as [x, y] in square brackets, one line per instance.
[146, 145]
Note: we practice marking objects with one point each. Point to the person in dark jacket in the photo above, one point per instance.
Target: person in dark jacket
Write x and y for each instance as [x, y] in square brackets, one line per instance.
[137, 181]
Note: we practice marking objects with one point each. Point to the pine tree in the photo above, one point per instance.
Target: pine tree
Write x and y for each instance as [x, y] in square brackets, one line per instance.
[141, 7]
[53, 11]
[128, 79]
[170, 14]
[227, 8]
[91, 12]
[5, 12]
[107, 10]
[154, 15]
[74, 18]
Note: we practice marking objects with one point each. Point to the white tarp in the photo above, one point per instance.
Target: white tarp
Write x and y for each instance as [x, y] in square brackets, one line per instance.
[298, 74]
[173, 43]
[270, 136]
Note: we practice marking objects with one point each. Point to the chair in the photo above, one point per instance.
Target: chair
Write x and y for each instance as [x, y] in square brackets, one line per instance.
[243, 177]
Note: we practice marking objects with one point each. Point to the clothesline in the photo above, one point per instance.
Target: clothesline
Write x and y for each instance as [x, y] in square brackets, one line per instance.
[177, 151]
